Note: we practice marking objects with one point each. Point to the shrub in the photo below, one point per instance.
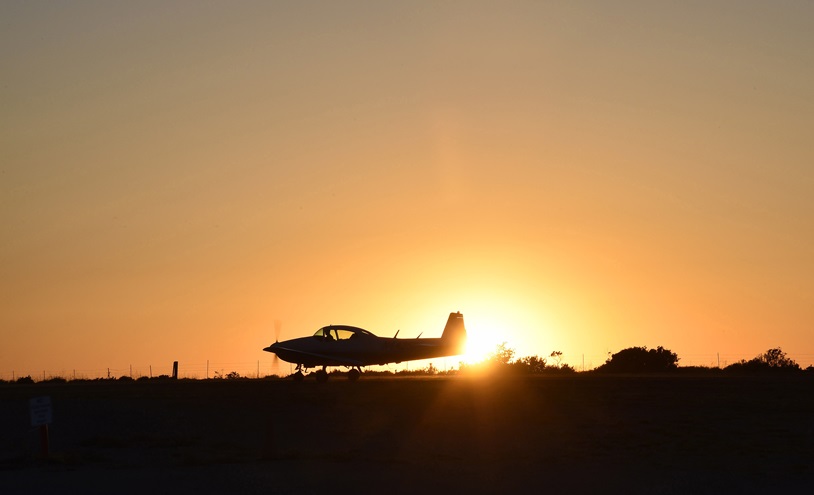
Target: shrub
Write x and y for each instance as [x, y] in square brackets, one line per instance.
[641, 360]
[772, 360]
[502, 355]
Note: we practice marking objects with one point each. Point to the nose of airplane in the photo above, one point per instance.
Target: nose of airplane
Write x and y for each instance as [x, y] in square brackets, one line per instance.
[271, 348]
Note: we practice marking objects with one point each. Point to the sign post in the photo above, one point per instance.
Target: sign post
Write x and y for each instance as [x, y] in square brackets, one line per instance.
[41, 415]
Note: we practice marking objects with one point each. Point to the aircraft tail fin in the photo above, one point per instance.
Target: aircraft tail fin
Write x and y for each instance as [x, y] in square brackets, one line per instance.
[455, 332]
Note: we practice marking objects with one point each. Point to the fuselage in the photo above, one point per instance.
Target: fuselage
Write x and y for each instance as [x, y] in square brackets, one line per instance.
[343, 345]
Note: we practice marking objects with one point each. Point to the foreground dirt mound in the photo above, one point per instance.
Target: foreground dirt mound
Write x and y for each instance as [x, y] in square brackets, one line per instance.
[578, 434]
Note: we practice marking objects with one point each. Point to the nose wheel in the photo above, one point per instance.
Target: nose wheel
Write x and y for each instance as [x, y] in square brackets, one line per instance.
[354, 374]
[299, 375]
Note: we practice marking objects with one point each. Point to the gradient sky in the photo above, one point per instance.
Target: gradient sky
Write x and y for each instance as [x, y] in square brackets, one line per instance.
[573, 176]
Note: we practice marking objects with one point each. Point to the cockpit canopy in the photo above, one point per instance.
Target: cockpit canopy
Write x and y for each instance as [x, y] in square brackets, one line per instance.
[340, 332]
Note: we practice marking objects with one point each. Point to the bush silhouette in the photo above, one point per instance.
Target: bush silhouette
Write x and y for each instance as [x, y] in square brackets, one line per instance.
[772, 360]
[502, 355]
[641, 360]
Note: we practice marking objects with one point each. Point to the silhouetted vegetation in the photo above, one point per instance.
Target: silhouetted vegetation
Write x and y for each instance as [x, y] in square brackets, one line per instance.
[699, 370]
[773, 360]
[502, 360]
[641, 360]
[503, 355]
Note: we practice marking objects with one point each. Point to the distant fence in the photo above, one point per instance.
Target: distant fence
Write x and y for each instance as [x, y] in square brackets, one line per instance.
[199, 370]
[205, 369]
[269, 367]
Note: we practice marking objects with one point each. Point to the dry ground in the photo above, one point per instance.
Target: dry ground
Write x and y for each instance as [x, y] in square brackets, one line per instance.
[577, 434]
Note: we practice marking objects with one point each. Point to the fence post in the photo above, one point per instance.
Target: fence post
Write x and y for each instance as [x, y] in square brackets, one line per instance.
[44, 441]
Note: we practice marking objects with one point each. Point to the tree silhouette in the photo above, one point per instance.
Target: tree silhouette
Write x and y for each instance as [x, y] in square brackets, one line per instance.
[502, 355]
[641, 360]
[776, 358]
[771, 360]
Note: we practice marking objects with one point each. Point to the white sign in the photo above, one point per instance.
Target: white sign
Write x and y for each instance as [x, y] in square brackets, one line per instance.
[40, 411]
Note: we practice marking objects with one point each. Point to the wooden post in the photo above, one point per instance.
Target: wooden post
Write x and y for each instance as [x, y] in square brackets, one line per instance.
[175, 370]
[207, 369]
[44, 440]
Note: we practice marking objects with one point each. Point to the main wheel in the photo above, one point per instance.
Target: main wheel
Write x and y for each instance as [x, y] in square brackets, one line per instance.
[354, 375]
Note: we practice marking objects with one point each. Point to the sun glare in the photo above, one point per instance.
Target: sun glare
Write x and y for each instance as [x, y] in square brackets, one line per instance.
[478, 348]
[483, 336]
[490, 323]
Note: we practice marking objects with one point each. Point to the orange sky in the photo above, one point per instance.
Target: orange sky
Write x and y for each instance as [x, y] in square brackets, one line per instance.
[573, 176]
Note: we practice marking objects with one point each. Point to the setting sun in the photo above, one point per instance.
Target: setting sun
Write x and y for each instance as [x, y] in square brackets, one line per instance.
[478, 347]
[271, 246]
[174, 183]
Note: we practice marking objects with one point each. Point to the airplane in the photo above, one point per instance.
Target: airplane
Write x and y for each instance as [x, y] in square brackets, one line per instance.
[354, 347]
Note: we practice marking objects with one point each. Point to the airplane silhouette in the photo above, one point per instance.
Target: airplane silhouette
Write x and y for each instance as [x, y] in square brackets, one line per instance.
[354, 347]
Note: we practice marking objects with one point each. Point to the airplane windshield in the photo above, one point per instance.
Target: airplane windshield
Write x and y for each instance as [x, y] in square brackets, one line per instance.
[334, 334]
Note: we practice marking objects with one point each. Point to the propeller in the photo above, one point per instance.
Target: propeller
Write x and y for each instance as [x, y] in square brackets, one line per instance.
[278, 325]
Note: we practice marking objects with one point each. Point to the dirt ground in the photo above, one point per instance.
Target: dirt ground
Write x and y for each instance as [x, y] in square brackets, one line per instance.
[575, 434]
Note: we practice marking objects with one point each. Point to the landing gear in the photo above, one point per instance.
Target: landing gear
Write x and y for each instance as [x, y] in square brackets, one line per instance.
[298, 376]
[322, 375]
